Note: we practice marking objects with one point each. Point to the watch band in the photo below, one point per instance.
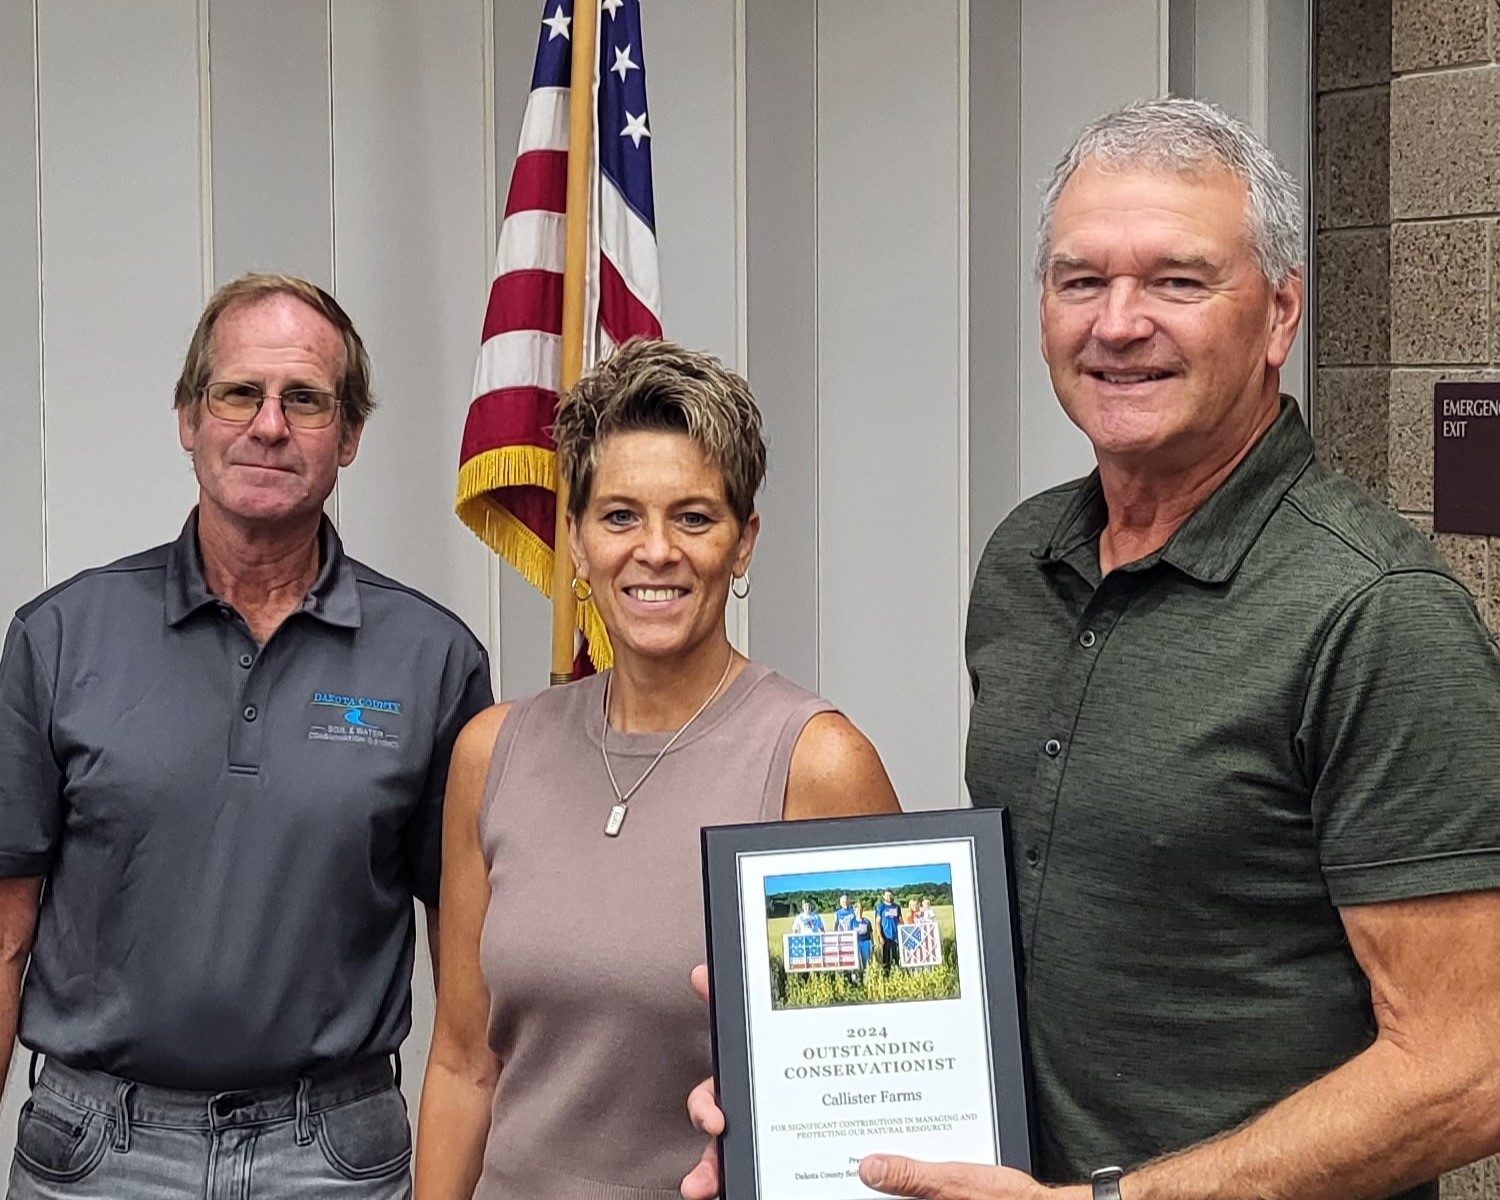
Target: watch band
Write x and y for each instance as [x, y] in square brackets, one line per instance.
[1106, 1183]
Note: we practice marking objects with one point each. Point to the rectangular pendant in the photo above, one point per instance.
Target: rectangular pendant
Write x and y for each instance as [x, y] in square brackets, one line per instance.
[616, 819]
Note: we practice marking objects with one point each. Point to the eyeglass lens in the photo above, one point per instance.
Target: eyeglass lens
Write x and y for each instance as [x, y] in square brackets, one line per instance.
[306, 408]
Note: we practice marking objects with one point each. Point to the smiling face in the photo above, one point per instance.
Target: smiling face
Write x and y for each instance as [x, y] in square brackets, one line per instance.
[1162, 336]
[265, 474]
[658, 542]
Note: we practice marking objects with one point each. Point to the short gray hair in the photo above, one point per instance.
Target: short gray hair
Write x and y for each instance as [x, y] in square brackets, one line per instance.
[1181, 135]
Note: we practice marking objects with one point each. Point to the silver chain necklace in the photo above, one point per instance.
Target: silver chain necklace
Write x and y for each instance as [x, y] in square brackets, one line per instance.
[617, 813]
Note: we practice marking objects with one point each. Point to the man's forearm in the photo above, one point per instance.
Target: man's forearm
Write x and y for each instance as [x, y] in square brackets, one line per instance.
[1384, 1121]
[10, 1012]
[19, 899]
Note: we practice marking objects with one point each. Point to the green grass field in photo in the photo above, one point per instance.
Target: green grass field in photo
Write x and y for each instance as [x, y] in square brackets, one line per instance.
[816, 989]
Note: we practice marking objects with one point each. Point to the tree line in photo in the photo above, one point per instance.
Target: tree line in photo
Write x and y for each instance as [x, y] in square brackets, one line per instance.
[827, 900]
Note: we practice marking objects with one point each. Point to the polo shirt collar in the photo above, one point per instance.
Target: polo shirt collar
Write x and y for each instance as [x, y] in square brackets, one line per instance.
[332, 599]
[1213, 541]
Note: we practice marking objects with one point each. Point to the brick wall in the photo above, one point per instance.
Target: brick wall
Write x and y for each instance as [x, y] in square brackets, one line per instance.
[1351, 420]
[1407, 235]
[1407, 242]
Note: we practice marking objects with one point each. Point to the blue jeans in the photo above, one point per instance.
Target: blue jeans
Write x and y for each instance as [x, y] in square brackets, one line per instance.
[88, 1136]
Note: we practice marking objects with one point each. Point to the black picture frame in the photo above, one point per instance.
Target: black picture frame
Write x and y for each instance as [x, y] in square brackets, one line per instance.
[988, 830]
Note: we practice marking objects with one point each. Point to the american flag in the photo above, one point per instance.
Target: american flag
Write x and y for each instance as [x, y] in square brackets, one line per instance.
[833, 950]
[507, 475]
[921, 944]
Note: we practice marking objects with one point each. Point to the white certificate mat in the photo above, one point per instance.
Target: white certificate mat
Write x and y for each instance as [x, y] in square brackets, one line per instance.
[850, 1054]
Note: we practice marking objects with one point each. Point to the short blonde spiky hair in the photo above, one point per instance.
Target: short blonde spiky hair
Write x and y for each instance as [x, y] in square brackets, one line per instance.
[659, 385]
[355, 400]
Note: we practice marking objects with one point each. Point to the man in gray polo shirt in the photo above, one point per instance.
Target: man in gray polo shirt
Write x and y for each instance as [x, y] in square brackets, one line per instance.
[1248, 729]
[225, 757]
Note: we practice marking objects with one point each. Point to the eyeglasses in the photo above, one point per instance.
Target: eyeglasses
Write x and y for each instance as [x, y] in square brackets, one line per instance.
[239, 403]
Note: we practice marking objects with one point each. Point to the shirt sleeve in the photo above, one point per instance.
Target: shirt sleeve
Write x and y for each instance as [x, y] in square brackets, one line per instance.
[471, 696]
[30, 780]
[1400, 737]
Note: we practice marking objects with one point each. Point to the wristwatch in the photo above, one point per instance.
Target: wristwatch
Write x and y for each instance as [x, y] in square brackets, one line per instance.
[1106, 1183]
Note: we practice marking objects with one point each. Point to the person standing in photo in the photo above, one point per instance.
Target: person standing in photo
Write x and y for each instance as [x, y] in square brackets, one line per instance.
[807, 921]
[888, 914]
[864, 936]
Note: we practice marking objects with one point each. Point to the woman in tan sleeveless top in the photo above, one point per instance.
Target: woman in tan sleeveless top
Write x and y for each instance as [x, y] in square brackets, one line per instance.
[567, 1035]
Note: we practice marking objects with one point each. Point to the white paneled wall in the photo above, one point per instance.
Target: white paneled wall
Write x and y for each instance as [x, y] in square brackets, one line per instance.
[122, 269]
[22, 548]
[270, 139]
[22, 544]
[409, 263]
[891, 469]
[845, 198]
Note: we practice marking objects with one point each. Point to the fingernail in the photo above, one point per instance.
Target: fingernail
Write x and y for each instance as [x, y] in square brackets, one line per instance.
[872, 1170]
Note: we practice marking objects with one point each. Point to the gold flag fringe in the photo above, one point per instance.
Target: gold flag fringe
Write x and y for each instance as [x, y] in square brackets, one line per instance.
[499, 529]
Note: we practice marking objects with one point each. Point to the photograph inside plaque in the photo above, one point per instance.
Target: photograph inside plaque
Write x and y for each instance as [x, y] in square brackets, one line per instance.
[864, 994]
[868, 936]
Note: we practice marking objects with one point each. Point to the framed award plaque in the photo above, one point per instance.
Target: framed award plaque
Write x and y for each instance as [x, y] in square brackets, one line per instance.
[865, 997]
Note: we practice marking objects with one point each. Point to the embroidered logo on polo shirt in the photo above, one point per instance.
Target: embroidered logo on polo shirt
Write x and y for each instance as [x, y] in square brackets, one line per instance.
[364, 720]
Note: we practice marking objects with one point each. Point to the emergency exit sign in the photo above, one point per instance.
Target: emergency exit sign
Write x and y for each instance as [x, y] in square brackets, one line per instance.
[1466, 458]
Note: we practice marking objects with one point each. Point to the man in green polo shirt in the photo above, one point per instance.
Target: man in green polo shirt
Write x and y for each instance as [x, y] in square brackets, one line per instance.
[1248, 729]
[1247, 724]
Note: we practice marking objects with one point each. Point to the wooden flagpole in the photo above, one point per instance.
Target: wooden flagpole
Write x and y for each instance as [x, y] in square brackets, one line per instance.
[575, 274]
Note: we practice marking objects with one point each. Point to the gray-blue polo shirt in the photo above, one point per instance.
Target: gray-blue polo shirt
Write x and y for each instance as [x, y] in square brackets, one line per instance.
[232, 834]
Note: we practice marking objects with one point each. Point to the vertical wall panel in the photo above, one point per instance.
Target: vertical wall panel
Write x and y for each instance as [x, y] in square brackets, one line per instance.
[409, 234]
[890, 466]
[1079, 58]
[21, 570]
[1001, 320]
[690, 81]
[21, 540]
[121, 266]
[1228, 48]
[781, 213]
[409, 245]
[1289, 118]
[272, 140]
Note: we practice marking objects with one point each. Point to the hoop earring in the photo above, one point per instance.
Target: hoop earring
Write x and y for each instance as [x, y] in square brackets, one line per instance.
[733, 579]
[582, 592]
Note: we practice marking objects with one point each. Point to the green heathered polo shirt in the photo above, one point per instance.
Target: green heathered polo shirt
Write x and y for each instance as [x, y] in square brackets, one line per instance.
[1291, 707]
